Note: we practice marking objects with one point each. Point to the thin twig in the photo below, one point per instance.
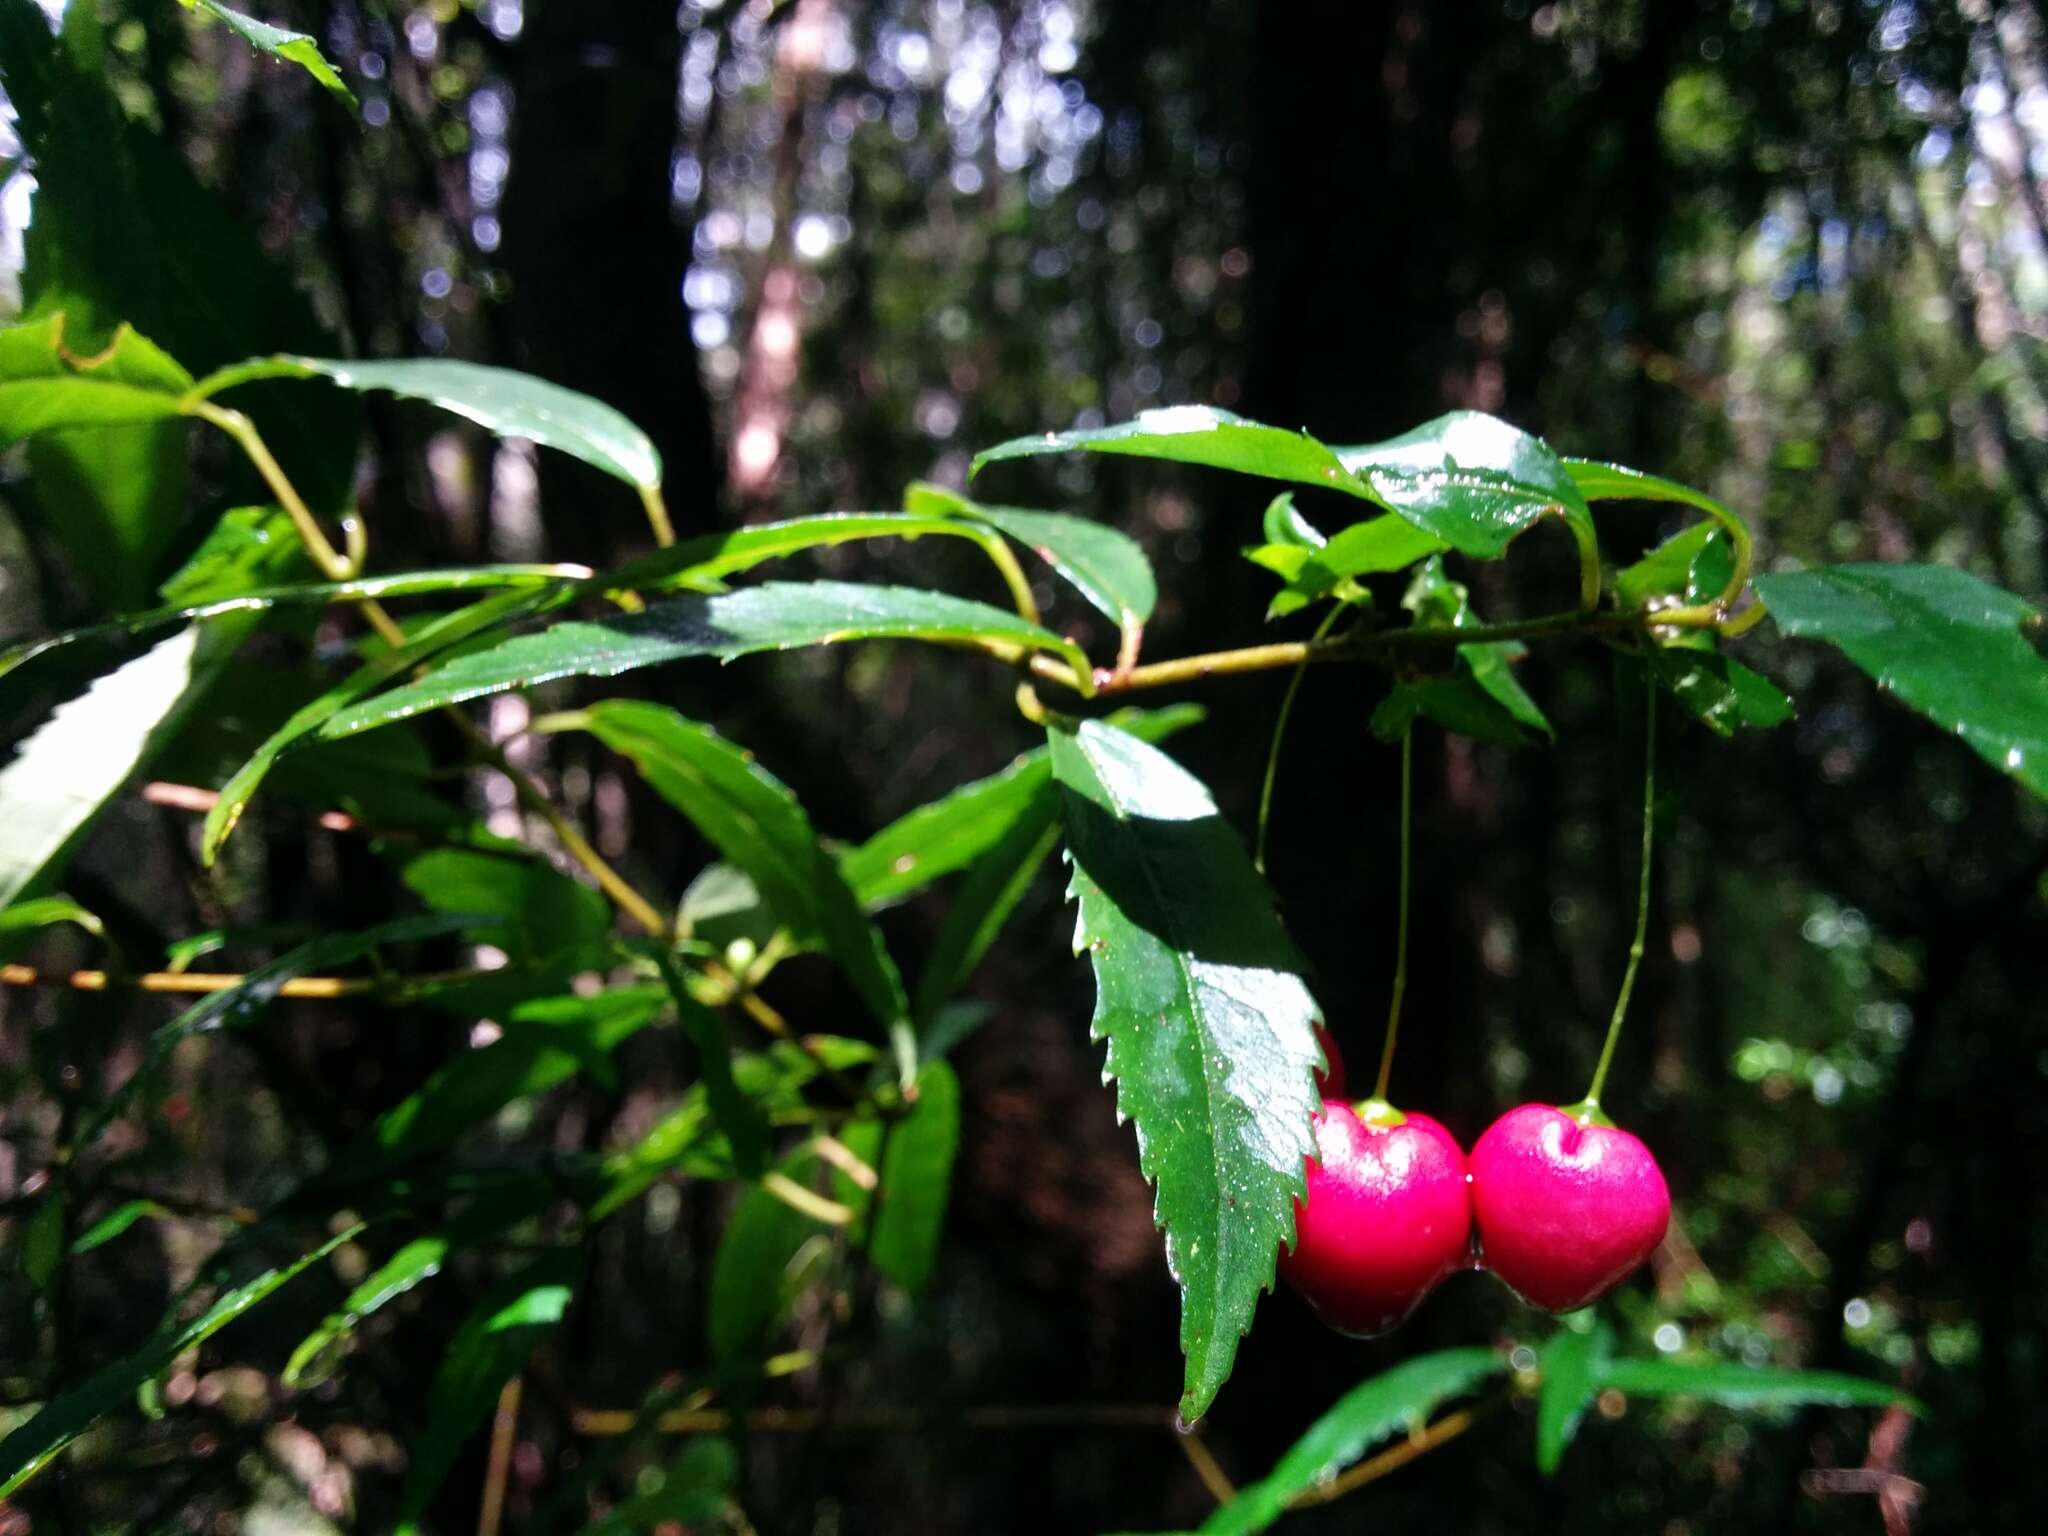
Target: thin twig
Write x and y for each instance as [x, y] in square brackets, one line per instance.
[1373, 1468]
[504, 1428]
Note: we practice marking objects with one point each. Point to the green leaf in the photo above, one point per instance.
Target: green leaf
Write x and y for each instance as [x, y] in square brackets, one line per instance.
[1456, 702]
[1435, 599]
[241, 1005]
[1210, 1026]
[702, 564]
[414, 1263]
[42, 1243]
[775, 616]
[429, 640]
[1472, 480]
[1103, 564]
[754, 820]
[1598, 481]
[1197, 434]
[1394, 1401]
[503, 401]
[489, 1349]
[115, 1222]
[46, 388]
[1748, 1386]
[292, 47]
[722, 906]
[1682, 567]
[1385, 543]
[544, 920]
[745, 1129]
[30, 1448]
[63, 774]
[996, 882]
[950, 833]
[1283, 525]
[693, 1490]
[763, 1262]
[917, 1173]
[1572, 1362]
[1962, 652]
[1723, 695]
[43, 911]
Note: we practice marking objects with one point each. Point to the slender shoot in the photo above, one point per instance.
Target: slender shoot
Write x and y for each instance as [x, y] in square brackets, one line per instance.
[1589, 1107]
[1379, 1091]
[1279, 733]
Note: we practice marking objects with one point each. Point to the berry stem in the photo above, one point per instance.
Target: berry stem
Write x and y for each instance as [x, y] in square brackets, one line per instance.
[1401, 924]
[1589, 1107]
[1280, 731]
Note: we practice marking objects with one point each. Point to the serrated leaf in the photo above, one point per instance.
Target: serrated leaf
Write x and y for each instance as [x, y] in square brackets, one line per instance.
[292, 47]
[1396, 1400]
[1210, 1026]
[488, 1350]
[1748, 1386]
[63, 774]
[35, 1444]
[1105, 565]
[1197, 434]
[503, 401]
[1572, 1362]
[1962, 652]
[916, 1177]
[754, 820]
[775, 616]
[1722, 694]
[44, 387]
[427, 641]
[1472, 480]
[950, 833]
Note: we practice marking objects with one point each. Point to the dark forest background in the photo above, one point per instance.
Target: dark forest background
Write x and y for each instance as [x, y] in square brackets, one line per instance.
[1796, 253]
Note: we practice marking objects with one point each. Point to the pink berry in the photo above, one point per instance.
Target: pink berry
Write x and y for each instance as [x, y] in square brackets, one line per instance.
[1566, 1211]
[1387, 1217]
[1330, 1081]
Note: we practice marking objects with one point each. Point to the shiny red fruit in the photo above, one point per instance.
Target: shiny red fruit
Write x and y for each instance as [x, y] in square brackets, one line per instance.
[1330, 1081]
[1387, 1217]
[1566, 1210]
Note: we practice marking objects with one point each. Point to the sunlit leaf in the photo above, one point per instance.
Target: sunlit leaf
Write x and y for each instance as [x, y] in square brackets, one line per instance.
[1105, 565]
[1962, 652]
[702, 564]
[44, 387]
[1210, 1027]
[30, 1448]
[1394, 1401]
[774, 616]
[292, 47]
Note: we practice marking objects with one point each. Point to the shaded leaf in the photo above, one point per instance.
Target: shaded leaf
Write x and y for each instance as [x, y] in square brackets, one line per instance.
[503, 401]
[1722, 694]
[44, 911]
[693, 1488]
[917, 1173]
[31, 1447]
[1210, 1027]
[1103, 564]
[115, 1222]
[760, 1267]
[745, 1129]
[545, 921]
[1437, 600]
[292, 47]
[488, 1350]
[1388, 1404]
[996, 882]
[775, 616]
[42, 1242]
[1572, 1362]
[1955, 648]
[1456, 702]
[1748, 1386]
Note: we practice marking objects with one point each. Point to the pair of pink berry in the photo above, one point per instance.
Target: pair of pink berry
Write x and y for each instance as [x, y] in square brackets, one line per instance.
[1563, 1207]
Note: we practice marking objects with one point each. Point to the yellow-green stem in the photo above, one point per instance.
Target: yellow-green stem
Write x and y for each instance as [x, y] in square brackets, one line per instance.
[1590, 1105]
[657, 515]
[1379, 1093]
[1279, 732]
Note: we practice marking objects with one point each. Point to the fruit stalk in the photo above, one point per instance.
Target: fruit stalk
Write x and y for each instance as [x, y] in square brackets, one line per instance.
[1588, 1109]
[1379, 1091]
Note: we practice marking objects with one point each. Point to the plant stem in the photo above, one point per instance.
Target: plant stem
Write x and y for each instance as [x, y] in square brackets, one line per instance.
[657, 515]
[1401, 923]
[1371, 1470]
[1280, 731]
[187, 982]
[336, 566]
[1590, 1105]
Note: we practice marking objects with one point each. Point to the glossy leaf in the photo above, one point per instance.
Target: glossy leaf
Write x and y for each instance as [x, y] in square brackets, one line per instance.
[1723, 695]
[1395, 1401]
[754, 820]
[45, 911]
[1599, 481]
[1210, 1026]
[241, 1005]
[1572, 1362]
[916, 1177]
[1197, 434]
[1472, 480]
[1105, 565]
[488, 1350]
[1962, 652]
[31, 1447]
[1388, 542]
[1747, 1386]
[1690, 566]
[292, 47]
[950, 833]
[702, 564]
[44, 387]
[1283, 525]
[427, 641]
[115, 1222]
[62, 775]
[503, 401]
[745, 1129]
[775, 616]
